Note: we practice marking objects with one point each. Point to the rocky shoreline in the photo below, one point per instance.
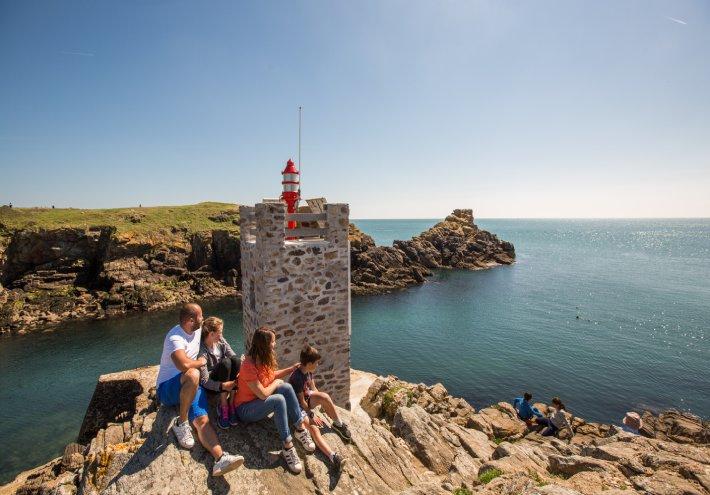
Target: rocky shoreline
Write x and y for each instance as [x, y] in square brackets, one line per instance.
[48, 276]
[407, 438]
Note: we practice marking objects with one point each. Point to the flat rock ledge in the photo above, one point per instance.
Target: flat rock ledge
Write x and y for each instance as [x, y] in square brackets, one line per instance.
[407, 439]
[456, 242]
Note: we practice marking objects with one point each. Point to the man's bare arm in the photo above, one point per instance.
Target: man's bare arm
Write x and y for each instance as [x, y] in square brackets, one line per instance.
[184, 363]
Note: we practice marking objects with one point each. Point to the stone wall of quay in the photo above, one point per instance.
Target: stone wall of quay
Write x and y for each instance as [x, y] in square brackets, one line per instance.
[300, 289]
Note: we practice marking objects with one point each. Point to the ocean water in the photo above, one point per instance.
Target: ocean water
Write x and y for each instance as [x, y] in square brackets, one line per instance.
[611, 315]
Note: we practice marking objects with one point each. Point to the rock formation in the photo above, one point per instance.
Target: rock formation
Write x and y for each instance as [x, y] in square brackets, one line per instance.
[407, 439]
[455, 242]
[47, 276]
[52, 275]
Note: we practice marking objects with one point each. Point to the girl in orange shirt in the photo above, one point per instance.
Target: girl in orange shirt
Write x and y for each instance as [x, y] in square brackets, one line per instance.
[262, 391]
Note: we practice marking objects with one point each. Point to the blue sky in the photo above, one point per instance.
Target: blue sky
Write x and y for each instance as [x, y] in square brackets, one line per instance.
[411, 109]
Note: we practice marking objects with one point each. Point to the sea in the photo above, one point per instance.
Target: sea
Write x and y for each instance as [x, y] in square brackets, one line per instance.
[610, 315]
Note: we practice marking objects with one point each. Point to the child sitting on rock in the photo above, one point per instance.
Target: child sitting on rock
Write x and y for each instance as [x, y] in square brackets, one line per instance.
[310, 397]
[219, 375]
[556, 421]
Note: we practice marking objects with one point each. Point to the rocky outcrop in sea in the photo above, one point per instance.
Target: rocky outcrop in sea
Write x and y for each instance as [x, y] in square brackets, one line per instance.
[408, 438]
[455, 242]
[52, 275]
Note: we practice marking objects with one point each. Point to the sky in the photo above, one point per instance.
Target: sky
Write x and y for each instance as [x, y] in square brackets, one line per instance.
[411, 108]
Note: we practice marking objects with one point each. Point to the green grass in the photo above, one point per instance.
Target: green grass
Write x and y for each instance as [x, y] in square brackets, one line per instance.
[489, 475]
[498, 440]
[388, 402]
[462, 491]
[192, 218]
[537, 479]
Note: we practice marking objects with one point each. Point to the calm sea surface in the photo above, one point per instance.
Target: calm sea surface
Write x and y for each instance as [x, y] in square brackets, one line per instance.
[611, 315]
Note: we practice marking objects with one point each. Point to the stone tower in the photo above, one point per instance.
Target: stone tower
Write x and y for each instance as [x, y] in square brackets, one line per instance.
[297, 282]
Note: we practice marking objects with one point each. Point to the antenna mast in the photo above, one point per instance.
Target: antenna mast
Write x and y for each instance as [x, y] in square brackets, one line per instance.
[299, 151]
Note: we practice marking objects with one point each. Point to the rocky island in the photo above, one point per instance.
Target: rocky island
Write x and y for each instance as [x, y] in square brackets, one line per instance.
[408, 438]
[63, 264]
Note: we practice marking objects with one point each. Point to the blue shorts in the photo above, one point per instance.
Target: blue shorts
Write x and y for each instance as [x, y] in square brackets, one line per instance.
[169, 395]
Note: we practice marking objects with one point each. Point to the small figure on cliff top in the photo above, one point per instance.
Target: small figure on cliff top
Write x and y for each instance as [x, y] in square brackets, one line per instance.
[262, 391]
[310, 397]
[526, 411]
[219, 375]
[179, 385]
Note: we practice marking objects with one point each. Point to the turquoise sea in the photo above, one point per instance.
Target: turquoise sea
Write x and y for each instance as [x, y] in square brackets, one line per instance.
[611, 315]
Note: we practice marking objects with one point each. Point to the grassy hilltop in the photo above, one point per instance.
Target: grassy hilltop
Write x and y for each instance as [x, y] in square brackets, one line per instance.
[144, 220]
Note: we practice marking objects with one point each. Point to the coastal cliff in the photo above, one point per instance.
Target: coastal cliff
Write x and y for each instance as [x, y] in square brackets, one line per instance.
[408, 438]
[59, 265]
[144, 259]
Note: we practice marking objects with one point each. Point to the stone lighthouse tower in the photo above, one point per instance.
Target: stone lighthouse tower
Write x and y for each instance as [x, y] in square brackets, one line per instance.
[296, 281]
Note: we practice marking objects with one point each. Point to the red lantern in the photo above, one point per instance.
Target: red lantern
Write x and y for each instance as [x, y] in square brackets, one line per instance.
[291, 189]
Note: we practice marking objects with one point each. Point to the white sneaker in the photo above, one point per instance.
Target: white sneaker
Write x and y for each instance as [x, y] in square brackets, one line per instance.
[183, 432]
[305, 438]
[291, 458]
[227, 463]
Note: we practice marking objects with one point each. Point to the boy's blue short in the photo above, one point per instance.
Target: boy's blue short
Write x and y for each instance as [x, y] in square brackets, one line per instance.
[169, 395]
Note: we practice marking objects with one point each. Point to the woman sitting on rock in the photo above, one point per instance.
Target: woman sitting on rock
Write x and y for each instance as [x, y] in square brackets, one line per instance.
[262, 391]
[556, 419]
[219, 375]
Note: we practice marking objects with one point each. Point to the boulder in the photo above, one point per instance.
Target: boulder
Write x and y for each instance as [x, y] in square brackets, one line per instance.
[666, 483]
[681, 427]
[498, 422]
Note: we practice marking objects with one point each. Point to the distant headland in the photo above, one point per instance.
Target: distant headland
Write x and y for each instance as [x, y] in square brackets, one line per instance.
[66, 264]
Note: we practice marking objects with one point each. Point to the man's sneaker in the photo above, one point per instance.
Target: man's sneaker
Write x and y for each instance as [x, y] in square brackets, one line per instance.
[292, 460]
[305, 438]
[343, 431]
[233, 418]
[338, 461]
[227, 463]
[183, 433]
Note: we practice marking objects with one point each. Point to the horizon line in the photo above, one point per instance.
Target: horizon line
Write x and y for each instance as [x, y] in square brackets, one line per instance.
[546, 218]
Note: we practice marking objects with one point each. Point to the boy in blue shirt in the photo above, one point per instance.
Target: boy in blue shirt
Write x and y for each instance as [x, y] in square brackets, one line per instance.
[310, 397]
[526, 411]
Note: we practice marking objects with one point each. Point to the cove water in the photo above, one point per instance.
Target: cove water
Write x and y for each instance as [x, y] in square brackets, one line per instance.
[611, 315]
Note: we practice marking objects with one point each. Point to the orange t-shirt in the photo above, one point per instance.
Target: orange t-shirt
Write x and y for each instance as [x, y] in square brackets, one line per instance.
[250, 372]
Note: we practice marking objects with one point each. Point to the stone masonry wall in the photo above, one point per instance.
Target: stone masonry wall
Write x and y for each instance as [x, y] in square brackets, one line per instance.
[301, 290]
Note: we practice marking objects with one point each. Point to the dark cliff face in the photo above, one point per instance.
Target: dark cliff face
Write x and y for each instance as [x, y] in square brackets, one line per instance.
[53, 275]
[69, 254]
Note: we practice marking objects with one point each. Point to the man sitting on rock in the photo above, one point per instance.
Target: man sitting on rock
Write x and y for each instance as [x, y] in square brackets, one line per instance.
[526, 411]
[178, 385]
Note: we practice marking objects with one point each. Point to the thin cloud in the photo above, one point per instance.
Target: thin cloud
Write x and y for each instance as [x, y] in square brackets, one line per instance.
[676, 20]
[78, 54]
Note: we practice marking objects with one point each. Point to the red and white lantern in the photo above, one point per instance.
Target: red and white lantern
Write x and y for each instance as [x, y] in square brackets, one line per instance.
[291, 189]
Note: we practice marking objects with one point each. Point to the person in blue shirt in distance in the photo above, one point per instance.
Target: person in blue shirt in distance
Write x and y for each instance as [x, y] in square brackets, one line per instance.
[526, 411]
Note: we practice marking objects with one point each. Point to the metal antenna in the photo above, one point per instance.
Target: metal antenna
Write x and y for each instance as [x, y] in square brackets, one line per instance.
[299, 153]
